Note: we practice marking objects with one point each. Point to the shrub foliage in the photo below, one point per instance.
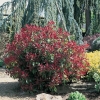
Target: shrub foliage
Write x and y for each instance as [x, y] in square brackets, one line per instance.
[94, 62]
[92, 40]
[42, 58]
[76, 96]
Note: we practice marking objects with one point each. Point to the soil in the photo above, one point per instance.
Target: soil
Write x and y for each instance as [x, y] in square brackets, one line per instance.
[10, 89]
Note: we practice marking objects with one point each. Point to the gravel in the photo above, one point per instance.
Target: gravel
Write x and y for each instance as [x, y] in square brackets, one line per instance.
[10, 90]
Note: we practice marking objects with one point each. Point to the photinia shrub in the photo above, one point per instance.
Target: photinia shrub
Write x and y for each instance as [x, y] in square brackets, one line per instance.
[42, 58]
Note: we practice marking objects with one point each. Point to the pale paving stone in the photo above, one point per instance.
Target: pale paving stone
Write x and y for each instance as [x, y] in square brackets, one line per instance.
[44, 96]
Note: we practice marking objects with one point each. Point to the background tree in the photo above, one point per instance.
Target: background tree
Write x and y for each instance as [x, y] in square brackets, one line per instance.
[60, 11]
[75, 16]
[87, 15]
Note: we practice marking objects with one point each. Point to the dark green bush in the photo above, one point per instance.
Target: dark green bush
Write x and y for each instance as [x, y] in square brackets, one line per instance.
[95, 44]
[92, 41]
[1, 63]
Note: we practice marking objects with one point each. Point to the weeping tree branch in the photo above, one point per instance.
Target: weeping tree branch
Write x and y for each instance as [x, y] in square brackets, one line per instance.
[62, 18]
[71, 24]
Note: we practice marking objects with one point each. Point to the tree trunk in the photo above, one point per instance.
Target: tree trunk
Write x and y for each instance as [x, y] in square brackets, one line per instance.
[76, 12]
[87, 16]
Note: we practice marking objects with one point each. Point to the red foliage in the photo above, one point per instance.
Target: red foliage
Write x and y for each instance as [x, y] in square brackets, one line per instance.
[42, 56]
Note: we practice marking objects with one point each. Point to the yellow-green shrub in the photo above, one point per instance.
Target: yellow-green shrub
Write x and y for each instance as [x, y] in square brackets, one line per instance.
[94, 61]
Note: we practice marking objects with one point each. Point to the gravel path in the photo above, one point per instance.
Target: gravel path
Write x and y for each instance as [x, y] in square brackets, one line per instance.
[9, 88]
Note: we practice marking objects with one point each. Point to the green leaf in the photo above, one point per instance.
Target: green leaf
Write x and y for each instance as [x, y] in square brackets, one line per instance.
[1, 63]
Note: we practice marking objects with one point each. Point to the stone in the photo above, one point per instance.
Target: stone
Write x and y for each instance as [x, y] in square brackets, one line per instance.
[44, 96]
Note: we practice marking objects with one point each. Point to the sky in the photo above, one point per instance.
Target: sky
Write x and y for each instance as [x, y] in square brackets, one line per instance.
[2, 1]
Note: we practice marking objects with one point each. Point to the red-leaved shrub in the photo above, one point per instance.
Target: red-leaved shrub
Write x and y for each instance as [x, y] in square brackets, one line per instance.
[42, 58]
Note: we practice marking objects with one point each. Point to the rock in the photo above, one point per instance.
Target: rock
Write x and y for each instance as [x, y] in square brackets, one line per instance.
[44, 96]
[66, 97]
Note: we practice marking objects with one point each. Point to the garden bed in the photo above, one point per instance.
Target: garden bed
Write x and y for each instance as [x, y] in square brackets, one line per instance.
[9, 89]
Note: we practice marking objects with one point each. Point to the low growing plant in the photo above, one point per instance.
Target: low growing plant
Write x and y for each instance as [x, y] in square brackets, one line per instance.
[42, 58]
[97, 81]
[89, 39]
[76, 96]
[96, 44]
[94, 62]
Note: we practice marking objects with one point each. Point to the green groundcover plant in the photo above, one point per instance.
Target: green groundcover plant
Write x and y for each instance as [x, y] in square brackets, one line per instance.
[76, 96]
[96, 77]
[41, 58]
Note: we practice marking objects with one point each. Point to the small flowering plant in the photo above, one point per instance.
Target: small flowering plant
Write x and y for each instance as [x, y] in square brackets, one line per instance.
[42, 58]
[94, 63]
